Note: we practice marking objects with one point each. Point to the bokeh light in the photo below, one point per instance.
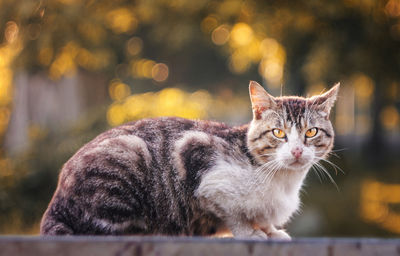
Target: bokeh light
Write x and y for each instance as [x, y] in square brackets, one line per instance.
[242, 34]
[118, 90]
[364, 88]
[142, 68]
[160, 72]
[208, 24]
[376, 198]
[392, 8]
[134, 45]
[121, 20]
[167, 102]
[390, 117]
[11, 32]
[220, 35]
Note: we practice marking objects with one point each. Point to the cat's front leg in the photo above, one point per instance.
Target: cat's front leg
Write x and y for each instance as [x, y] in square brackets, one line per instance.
[275, 233]
[242, 229]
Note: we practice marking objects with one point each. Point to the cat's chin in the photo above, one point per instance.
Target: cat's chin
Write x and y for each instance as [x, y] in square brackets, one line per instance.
[298, 165]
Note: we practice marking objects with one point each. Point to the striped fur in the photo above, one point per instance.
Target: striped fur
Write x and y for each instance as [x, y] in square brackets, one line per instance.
[174, 176]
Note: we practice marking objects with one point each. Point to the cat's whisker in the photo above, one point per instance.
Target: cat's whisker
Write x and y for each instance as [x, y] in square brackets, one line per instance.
[266, 172]
[335, 167]
[266, 165]
[339, 149]
[316, 172]
[278, 167]
[322, 168]
[322, 152]
[322, 172]
[261, 171]
[263, 174]
[318, 169]
[268, 178]
[333, 152]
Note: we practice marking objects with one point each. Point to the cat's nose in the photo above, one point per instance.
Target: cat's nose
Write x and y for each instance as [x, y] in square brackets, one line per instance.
[297, 152]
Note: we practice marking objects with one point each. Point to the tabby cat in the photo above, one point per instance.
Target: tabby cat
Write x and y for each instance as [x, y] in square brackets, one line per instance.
[172, 176]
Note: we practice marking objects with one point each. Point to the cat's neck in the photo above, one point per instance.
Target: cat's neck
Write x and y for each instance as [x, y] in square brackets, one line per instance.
[291, 180]
[240, 133]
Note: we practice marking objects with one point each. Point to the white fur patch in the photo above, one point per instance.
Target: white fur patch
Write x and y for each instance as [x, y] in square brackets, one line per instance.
[105, 224]
[188, 136]
[233, 188]
[131, 141]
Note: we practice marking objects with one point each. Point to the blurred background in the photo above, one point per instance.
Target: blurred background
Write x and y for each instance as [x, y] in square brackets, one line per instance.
[70, 69]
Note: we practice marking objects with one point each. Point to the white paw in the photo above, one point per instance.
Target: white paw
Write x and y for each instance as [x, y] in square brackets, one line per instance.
[258, 234]
[279, 234]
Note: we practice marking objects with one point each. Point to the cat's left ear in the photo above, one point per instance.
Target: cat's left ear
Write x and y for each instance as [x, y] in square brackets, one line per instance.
[260, 99]
[324, 103]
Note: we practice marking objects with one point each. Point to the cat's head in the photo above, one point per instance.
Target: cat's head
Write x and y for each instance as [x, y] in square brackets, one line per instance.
[290, 132]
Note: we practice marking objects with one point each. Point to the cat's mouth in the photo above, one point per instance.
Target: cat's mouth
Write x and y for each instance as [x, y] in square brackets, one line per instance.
[296, 163]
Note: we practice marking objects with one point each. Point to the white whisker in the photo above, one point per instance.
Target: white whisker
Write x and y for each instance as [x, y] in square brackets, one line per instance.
[335, 167]
[322, 168]
[317, 173]
[339, 149]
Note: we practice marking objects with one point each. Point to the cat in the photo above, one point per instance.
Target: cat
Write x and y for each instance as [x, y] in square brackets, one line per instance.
[173, 176]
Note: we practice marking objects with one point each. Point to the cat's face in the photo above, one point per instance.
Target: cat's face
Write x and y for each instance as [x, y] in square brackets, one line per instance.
[290, 132]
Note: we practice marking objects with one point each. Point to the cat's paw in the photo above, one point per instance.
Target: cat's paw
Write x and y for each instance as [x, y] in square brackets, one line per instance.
[279, 234]
[258, 234]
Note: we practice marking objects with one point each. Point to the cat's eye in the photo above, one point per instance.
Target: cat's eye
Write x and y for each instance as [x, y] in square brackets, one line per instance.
[279, 133]
[311, 132]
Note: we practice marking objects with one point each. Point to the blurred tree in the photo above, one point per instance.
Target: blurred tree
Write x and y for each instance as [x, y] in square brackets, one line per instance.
[144, 45]
[323, 42]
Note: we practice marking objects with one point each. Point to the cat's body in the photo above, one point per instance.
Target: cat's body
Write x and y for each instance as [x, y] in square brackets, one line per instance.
[174, 176]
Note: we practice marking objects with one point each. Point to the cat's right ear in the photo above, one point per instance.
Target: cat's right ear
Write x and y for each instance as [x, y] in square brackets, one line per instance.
[260, 99]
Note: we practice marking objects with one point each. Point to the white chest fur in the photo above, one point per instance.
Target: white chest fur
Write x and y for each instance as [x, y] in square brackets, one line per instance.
[231, 190]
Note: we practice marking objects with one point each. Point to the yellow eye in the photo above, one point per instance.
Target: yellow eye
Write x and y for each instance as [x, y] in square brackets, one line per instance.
[279, 133]
[311, 132]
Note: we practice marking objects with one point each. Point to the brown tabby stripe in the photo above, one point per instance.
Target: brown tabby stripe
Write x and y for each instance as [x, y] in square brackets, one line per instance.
[261, 135]
[295, 108]
[326, 132]
[267, 147]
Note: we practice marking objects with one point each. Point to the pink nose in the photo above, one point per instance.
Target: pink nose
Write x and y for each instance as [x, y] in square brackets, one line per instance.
[297, 152]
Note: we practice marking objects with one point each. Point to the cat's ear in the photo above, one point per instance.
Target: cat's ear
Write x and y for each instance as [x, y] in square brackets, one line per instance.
[260, 99]
[324, 102]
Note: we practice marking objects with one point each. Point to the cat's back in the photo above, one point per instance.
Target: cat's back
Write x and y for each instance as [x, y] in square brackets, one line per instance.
[145, 143]
[136, 175]
[148, 137]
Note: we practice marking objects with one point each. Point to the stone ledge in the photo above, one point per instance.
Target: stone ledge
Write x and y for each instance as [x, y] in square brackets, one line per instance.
[163, 246]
